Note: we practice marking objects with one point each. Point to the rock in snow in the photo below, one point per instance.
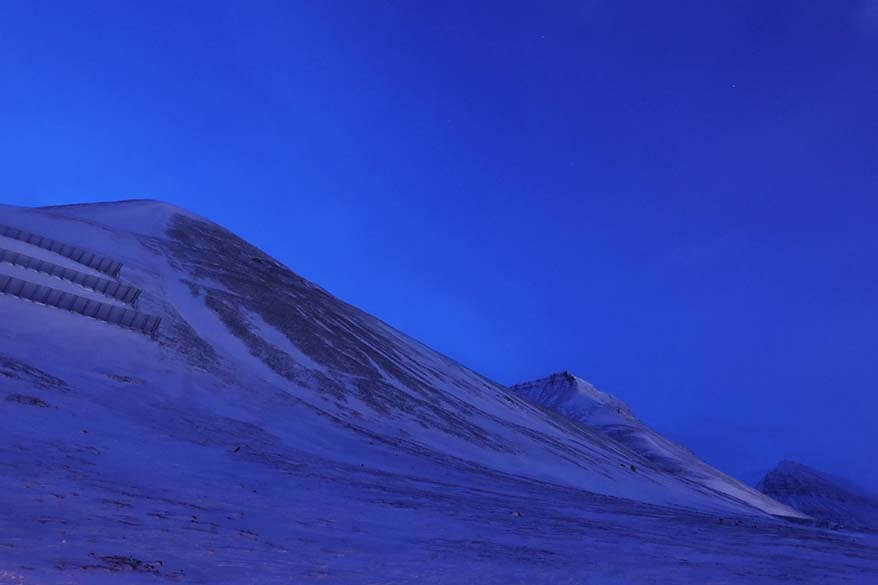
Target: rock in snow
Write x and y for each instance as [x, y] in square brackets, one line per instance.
[267, 432]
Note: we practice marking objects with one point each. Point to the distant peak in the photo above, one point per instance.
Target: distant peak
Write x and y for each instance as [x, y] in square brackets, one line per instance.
[563, 376]
[566, 385]
[568, 375]
[802, 472]
[794, 468]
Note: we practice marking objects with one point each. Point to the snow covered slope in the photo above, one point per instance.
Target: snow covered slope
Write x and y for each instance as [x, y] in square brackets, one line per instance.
[271, 433]
[580, 401]
[234, 319]
[832, 501]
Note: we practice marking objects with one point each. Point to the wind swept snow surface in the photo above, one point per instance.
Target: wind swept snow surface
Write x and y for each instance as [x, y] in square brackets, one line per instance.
[271, 433]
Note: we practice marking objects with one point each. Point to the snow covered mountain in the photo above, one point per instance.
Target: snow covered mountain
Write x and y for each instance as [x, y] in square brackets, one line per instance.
[832, 501]
[582, 402]
[176, 404]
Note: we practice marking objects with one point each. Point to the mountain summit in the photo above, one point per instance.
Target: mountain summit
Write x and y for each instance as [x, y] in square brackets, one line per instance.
[576, 398]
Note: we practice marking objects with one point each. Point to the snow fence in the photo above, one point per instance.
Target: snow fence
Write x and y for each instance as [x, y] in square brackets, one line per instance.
[110, 288]
[53, 297]
[100, 263]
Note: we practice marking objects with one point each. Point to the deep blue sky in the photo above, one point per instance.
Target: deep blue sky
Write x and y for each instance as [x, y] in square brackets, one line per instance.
[675, 200]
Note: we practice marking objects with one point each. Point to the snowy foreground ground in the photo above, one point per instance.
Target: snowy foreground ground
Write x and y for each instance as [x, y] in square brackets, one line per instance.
[270, 433]
[74, 514]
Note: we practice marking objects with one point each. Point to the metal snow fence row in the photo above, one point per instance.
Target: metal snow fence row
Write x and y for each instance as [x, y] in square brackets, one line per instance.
[110, 288]
[100, 263]
[53, 297]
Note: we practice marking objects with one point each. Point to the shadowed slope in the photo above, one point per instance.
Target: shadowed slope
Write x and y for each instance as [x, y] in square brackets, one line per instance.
[832, 501]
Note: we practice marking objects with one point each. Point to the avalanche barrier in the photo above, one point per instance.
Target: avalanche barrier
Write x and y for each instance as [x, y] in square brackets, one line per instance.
[115, 315]
[100, 263]
[110, 288]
